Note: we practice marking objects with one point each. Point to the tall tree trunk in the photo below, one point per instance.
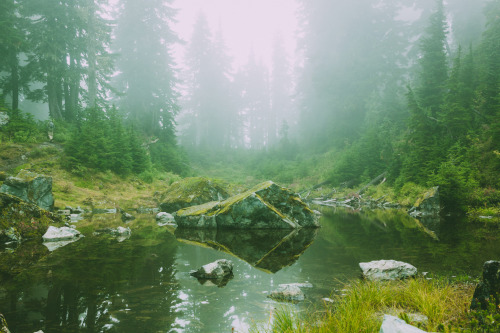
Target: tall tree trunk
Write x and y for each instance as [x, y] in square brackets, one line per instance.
[52, 91]
[15, 80]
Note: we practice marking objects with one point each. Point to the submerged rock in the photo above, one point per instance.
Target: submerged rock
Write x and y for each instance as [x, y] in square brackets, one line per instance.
[30, 187]
[488, 290]
[190, 192]
[217, 273]
[287, 293]
[428, 205]
[387, 270]
[266, 206]
[393, 324]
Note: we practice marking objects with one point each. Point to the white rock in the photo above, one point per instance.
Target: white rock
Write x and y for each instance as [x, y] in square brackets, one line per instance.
[393, 324]
[387, 270]
[55, 234]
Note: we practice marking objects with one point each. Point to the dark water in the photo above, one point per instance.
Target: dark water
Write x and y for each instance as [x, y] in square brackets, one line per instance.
[141, 284]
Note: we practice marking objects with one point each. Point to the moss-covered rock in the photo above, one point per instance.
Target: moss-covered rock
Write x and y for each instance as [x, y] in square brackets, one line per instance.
[428, 205]
[266, 206]
[25, 219]
[30, 187]
[190, 192]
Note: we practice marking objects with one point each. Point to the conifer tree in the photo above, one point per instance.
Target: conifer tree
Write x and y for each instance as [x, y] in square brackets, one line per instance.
[433, 63]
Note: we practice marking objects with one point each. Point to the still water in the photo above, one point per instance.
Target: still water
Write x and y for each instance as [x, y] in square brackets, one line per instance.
[142, 284]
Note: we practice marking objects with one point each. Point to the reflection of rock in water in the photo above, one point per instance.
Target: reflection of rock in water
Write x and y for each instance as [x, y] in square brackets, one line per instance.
[269, 250]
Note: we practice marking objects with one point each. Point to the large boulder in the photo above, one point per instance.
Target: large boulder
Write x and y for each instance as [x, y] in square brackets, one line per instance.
[428, 205]
[381, 270]
[24, 219]
[190, 192]
[266, 206]
[488, 290]
[393, 324]
[30, 187]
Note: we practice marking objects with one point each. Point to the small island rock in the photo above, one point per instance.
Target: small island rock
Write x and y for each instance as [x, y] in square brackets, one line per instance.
[215, 270]
[387, 270]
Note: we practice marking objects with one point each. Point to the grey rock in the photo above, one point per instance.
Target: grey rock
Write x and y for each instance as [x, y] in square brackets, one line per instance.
[488, 290]
[287, 293]
[214, 270]
[4, 118]
[55, 234]
[10, 235]
[64, 212]
[164, 218]
[104, 211]
[387, 270]
[127, 217]
[393, 324]
[30, 187]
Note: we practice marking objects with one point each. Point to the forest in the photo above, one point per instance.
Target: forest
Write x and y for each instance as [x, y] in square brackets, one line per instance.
[379, 86]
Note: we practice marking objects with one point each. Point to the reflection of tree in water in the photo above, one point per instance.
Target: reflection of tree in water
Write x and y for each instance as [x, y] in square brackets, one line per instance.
[98, 284]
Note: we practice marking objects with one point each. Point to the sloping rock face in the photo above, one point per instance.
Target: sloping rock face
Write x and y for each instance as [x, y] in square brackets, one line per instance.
[488, 290]
[428, 205]
[393, 324]
[30, 187]
[381, 270]
[190, 192]
[266, 206]
[26, 219]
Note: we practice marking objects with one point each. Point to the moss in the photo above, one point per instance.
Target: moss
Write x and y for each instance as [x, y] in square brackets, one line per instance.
[29, 220]
[429, 194]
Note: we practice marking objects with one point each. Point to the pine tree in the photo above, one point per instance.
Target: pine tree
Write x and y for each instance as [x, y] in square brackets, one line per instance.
[12, 43]
[147, 77]
[434, 70]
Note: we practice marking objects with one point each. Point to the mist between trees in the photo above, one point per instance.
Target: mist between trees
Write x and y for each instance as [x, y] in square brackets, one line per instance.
[377, 86]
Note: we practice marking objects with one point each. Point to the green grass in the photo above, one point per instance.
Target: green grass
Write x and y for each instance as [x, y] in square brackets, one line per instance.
[362, 306]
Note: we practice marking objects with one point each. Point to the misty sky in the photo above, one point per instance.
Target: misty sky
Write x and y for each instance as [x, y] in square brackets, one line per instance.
[245, 24]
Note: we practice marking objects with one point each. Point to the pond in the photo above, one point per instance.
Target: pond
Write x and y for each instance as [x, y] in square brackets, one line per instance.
[142, 284]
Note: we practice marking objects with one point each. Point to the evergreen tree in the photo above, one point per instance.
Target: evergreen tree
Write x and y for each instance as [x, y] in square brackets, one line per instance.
[147, 78]
[210, 102]
[280, 90]
[12, 43]
[434, 70]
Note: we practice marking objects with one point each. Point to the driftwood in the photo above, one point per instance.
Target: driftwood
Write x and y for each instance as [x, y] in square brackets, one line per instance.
[373, 181]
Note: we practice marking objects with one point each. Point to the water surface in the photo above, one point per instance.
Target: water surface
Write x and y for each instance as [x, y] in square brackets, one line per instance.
[142, 284]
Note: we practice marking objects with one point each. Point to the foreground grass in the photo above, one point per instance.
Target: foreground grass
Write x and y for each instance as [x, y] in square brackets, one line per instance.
[362, 306]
